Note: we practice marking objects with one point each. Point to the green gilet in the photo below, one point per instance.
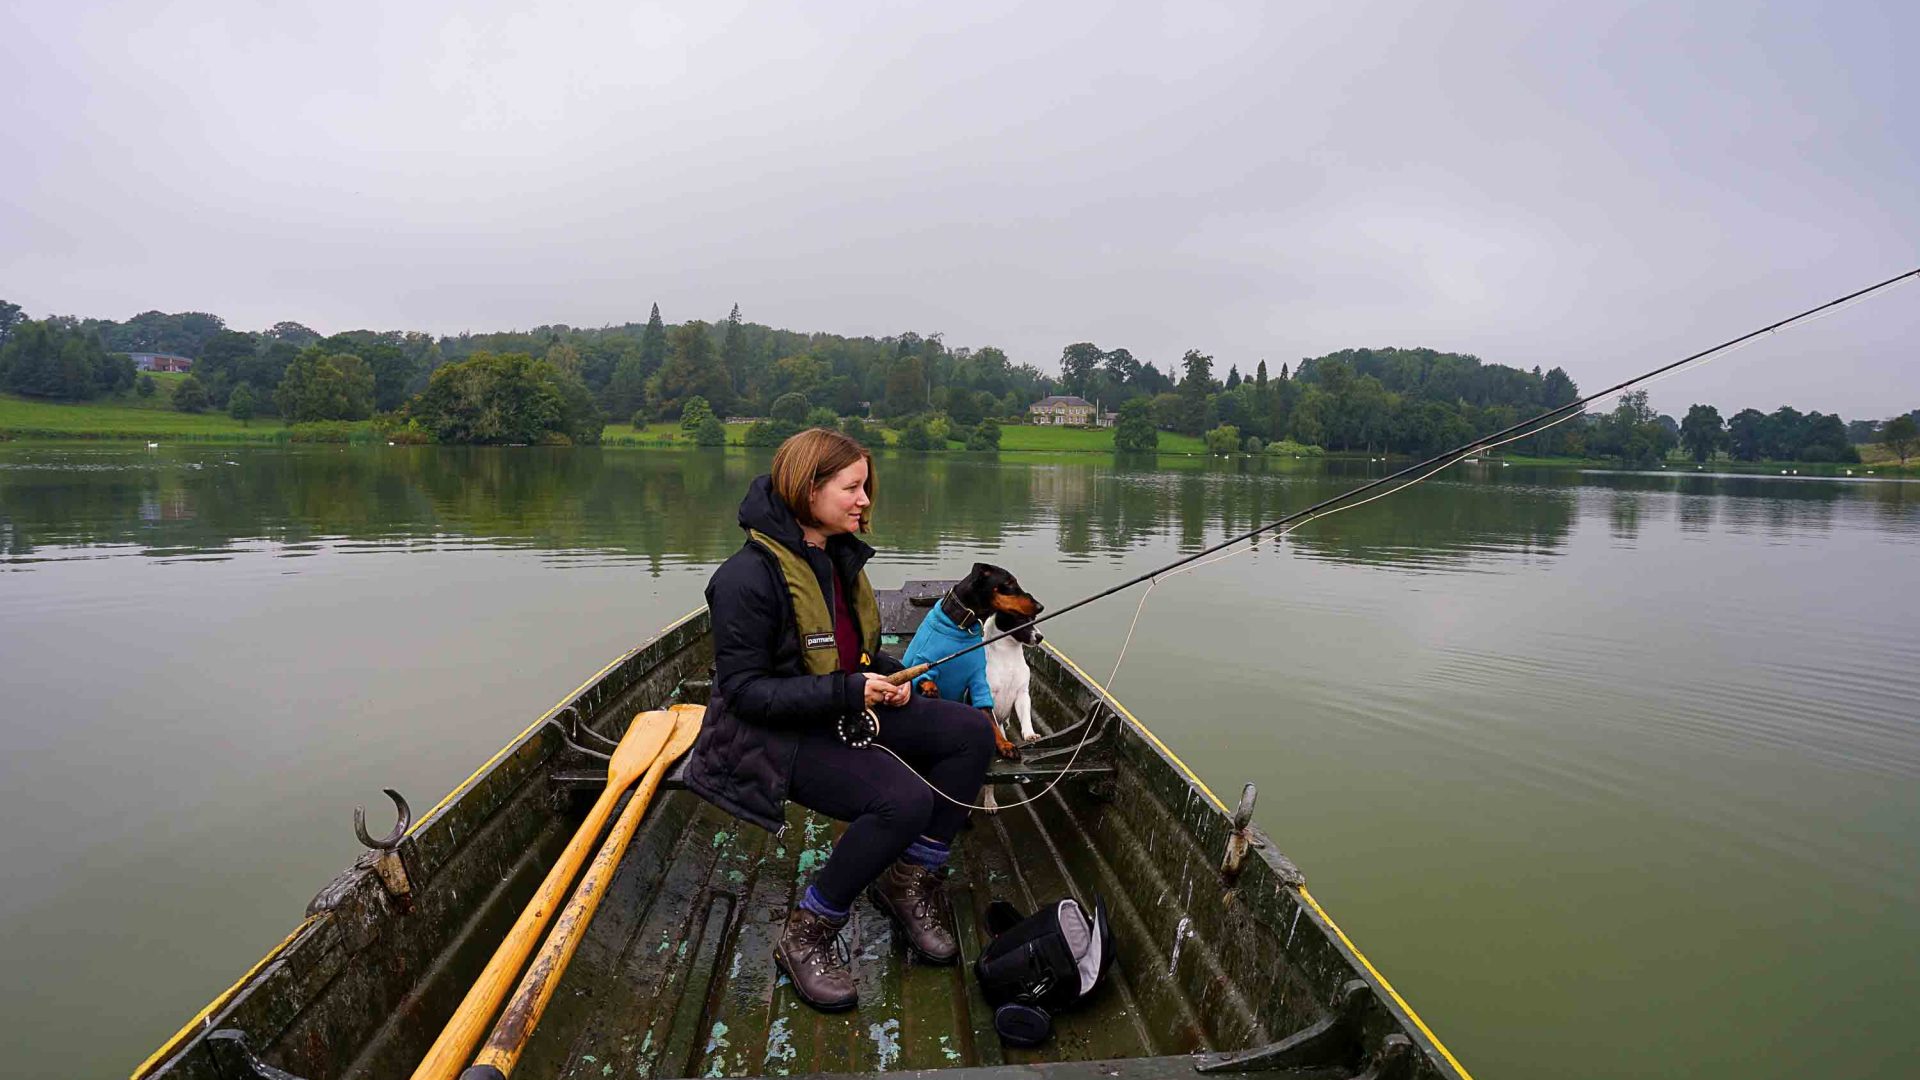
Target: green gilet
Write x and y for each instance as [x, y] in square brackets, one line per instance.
[813, 612]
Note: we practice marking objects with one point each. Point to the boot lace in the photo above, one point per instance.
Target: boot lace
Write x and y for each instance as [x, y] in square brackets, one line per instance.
[822, 947]
[928, 891]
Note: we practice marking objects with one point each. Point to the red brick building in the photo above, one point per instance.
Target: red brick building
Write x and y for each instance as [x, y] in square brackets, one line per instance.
[154, 361]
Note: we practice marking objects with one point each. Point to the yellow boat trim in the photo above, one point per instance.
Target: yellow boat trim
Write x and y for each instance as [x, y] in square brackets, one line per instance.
[1135, 721]
[1384, 984]
[549, 714]
[187, 1030]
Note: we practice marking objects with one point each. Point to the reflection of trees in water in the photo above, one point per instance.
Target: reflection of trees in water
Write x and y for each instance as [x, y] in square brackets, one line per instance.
[645, 504]
[1200, 502]
[1444, 522]
[1623, 515]
[672, 507]
[1695, 512]
[1762, 504]
[1895, 504]
[925, 502]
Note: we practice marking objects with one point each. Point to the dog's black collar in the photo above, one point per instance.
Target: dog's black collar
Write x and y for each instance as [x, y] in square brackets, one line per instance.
[963, 616]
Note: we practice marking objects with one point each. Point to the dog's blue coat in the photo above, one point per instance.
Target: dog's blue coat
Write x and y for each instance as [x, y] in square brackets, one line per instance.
[938, 637]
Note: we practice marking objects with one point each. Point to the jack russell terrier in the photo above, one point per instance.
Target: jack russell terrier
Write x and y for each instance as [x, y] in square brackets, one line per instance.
[988, 600]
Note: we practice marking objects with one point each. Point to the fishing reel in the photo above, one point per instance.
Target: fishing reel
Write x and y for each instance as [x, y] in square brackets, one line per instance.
[858, 730]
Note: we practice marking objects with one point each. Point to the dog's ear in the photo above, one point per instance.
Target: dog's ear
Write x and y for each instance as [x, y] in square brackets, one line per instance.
[980, 569]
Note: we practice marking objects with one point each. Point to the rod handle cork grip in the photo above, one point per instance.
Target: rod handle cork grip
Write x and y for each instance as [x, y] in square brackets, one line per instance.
[907, 675]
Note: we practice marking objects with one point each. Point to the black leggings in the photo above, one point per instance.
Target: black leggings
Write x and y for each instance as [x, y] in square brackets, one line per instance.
[886, 805]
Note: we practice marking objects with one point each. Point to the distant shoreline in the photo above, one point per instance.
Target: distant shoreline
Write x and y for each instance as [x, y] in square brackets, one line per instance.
[28, 420]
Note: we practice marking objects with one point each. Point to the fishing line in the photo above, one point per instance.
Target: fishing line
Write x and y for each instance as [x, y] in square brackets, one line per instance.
[1064, 771]
[1417, 472]
[1254, 543]
[1108, 686]
[1510, 433]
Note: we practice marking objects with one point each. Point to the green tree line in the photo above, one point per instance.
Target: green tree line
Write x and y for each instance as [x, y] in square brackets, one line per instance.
[1409, 401]
[54, 358]
[1787, 434]
[560, 383]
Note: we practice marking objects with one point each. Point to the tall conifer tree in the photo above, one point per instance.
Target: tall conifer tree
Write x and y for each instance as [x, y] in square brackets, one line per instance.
[653, 344]
[733, 352]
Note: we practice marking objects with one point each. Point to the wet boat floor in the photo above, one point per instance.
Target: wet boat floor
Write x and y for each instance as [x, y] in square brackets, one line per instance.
[676, 975]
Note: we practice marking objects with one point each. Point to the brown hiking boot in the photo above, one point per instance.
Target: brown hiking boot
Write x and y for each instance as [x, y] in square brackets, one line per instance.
[916, 898]
[813, 956]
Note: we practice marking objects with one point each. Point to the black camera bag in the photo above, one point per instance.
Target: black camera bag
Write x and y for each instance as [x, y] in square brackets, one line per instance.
[1039, 964]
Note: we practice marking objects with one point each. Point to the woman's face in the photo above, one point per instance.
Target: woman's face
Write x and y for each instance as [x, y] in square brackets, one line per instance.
[839, 503]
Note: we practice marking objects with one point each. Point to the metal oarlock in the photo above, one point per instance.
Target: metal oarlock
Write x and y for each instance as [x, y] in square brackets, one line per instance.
[1242, 835]
[392, 871]
[392, 839]
[576, 728]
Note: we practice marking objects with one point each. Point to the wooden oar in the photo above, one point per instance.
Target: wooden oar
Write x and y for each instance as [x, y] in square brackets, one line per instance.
[638, 748]
[529, 1001]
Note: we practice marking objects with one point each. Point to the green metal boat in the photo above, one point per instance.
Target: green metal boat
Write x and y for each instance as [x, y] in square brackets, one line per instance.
[1225, 962]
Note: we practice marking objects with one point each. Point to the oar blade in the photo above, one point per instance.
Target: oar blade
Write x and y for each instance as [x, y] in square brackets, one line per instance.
[688, 720]
[645, 738]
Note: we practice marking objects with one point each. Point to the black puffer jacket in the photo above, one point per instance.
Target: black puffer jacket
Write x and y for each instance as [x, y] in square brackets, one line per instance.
[762, 695]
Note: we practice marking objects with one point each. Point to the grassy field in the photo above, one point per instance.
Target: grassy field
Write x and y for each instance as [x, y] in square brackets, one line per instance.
[1014, 438]
[1873, 458]
[662, 433]
[130, 417]
[1086, 440]
[1877, 457]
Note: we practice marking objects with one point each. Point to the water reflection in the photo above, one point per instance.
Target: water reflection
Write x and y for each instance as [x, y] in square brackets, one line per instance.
[1705, 698]
[661, 508]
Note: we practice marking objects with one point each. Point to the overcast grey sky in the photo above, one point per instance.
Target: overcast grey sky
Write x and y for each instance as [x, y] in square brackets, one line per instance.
[1600, 186]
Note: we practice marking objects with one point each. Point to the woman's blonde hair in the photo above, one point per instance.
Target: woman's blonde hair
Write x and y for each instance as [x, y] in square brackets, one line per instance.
[807, 460]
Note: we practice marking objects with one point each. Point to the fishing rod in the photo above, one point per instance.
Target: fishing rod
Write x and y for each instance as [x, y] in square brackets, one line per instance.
[1517, 431]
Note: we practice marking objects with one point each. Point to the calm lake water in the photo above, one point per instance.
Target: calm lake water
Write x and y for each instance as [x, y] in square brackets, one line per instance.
[1611, 774]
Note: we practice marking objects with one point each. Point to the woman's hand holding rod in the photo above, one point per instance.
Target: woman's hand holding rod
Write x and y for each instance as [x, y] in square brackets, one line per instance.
[883, 690]
[907, 675]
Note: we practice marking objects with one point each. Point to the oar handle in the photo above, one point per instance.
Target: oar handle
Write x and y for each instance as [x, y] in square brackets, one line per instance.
[907, 675]
[529, 1002]
[468, 1024]
[464, 1030]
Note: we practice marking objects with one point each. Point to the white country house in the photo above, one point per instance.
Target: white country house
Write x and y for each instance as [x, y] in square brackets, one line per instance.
[1062, 409]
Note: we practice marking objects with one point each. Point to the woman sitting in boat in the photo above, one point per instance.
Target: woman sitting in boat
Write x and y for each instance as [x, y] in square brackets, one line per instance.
[796, 644]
